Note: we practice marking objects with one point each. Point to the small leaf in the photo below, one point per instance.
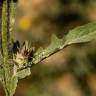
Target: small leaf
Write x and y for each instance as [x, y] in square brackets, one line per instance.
[23, 73]
[80, 34]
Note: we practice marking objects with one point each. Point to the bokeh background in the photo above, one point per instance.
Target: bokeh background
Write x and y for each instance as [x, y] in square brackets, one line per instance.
[69, 72]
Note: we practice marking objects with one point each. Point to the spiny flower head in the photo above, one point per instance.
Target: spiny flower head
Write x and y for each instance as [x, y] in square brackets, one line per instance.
[22, 54]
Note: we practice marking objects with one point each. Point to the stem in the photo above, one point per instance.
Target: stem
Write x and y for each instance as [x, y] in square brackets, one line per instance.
[4, 30]
[12, 10]
[8, 14]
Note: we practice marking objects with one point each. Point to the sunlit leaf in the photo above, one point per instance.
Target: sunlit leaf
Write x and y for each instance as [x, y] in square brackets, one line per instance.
[80, 34]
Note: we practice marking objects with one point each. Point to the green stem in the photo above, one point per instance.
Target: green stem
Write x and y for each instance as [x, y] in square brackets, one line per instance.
[12, 10]
[8, 14]
[6, 66]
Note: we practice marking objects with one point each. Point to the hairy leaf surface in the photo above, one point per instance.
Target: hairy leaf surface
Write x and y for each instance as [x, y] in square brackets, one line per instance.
[80, 34]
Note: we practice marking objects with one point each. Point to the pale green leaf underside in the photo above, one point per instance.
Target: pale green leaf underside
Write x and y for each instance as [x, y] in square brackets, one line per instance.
[80, 34]
[23, 73]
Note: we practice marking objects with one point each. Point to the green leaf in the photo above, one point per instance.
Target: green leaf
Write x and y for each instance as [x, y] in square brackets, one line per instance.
[80, 34]
[39, 51]
[23, 73]
[43, 53]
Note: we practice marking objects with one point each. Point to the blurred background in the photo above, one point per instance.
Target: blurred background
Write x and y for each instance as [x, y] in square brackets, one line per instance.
[69, 72]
